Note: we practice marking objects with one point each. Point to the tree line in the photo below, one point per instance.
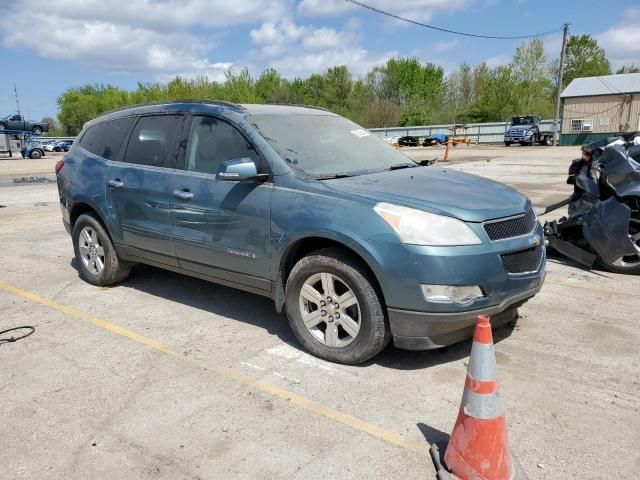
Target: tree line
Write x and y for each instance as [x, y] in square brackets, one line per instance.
[402, 92]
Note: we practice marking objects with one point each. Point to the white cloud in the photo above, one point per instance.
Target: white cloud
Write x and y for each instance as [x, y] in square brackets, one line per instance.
[622, 42]
[444, 46]
[498, 60]
[298, 50]
[420, 10]
[131, 36]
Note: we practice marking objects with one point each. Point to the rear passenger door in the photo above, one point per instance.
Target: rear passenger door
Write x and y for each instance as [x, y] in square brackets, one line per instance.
[220, 228]
[139, 188]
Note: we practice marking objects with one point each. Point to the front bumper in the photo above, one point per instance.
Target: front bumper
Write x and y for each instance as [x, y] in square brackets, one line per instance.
[426, 331]
[518, 138]
[419, 324]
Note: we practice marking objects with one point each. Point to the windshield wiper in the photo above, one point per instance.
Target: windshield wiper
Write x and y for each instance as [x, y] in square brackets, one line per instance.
[402, 165]
[331, 177]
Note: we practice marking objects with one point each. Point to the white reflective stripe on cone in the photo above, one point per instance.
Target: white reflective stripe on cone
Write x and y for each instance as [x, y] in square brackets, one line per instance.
[482, 406]
[482, 363]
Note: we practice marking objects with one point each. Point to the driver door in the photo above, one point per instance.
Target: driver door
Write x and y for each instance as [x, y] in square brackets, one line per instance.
[220, 228]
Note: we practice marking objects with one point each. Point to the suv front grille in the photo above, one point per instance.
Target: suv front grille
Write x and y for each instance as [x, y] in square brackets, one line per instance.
[511, 227]
[523, 261]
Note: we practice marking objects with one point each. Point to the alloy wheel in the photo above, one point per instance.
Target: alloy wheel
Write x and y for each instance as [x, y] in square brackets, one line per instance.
[91, 250]
[330, 310]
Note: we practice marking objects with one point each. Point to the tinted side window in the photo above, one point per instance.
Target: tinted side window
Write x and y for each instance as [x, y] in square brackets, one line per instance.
[152, 140]
[105, 139]
[212, 141]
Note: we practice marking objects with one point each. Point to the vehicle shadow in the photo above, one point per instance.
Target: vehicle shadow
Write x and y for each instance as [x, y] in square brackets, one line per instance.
[259, 311]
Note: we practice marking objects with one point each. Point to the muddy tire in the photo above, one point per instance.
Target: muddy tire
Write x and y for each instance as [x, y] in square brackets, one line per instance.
[334, 309]
[97, 260]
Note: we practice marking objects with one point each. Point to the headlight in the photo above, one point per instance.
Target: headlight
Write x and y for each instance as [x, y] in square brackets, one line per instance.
[461, 295]
[417, 227]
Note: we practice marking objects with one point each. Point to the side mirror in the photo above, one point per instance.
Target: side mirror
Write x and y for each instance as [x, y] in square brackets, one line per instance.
[240, 169]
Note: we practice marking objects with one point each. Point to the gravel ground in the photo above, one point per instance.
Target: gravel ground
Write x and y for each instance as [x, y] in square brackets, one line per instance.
[166, 376]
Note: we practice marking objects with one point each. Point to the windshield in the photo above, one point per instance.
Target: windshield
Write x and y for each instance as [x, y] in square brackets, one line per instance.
[326, 146]
[522, 121]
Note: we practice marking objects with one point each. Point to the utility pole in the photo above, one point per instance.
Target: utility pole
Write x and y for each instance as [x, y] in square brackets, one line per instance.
[15, 90]
[556, 118]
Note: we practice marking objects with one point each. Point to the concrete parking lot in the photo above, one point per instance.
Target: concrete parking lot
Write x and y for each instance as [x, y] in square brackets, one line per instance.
[170, 377]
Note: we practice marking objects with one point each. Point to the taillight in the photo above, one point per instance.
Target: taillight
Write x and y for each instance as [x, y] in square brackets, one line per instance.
[59, 165]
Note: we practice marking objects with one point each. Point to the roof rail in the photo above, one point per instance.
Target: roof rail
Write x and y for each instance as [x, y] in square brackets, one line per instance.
[172, 102]
[302, 105]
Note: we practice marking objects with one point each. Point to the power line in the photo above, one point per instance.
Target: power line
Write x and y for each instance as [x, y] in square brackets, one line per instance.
[408, 20]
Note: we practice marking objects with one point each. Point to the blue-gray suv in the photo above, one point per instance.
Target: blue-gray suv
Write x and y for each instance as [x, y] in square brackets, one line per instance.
[358, 243]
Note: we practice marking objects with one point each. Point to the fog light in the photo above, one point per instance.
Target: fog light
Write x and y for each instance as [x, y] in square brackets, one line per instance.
[451, 293]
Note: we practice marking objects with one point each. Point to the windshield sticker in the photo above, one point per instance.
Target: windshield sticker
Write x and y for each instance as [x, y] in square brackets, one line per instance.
[359, 132]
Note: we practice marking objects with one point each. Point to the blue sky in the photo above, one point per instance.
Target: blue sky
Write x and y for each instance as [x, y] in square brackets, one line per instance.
[123, 42]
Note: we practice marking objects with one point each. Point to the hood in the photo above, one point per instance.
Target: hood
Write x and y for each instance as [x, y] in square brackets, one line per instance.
[449, 192]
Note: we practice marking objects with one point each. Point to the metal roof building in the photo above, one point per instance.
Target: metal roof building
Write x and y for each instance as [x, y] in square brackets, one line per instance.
[597, 107]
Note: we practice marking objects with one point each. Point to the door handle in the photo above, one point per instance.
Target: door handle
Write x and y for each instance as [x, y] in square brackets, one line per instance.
[117, 183]
[183, 194]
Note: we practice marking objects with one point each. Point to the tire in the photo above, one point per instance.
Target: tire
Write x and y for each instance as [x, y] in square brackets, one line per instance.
[36, 154]
[37, 130]
[113, 268]
[2, 126]
[507, 144]
[373, 333]
[630, 266]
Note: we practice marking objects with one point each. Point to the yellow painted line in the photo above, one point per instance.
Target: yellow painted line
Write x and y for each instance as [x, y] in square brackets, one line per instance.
[586, 286]
[230, 374]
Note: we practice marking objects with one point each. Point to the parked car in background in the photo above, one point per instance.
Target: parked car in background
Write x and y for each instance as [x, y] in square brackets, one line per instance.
[356, 242]
[408, 141]
[63, 146]
[17, 122]
[435, 139]
[526, 130]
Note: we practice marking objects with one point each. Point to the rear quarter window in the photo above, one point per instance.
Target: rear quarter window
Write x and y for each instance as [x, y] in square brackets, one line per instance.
[106, 139]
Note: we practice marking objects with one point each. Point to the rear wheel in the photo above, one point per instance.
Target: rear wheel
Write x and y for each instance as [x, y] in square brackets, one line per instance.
[96, 257]
[334, 309]
[628, 263]
[548, 141]
[37, 130]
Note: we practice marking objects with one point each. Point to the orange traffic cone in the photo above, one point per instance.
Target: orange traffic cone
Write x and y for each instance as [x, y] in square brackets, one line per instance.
[446, 151]
[479, 445]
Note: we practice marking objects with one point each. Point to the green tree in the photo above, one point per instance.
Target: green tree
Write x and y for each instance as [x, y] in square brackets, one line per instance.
[628, 69]
[584, 58]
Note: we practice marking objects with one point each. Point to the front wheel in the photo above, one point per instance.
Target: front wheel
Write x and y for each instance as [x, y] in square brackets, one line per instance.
[334, 309]
[507, 144]
[629, 264]
[97, 259]
[35, 154]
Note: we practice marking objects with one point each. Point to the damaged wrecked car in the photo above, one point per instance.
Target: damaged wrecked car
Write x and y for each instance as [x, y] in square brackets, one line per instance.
[603, 225]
